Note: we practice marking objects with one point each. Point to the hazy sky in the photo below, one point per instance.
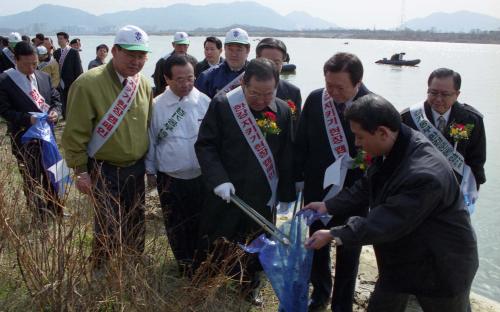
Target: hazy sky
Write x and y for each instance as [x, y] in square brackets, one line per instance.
[350, 13]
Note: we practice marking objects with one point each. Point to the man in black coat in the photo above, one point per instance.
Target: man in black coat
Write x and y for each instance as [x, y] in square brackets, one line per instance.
[233, 161]
[313, 154]
[70, 66]
[443, 91]
[7, 59]
[19, 89]
[417, 222]
[275, 50]
[212, 48]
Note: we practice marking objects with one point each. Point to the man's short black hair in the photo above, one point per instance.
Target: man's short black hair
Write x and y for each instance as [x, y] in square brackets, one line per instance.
[271, 43]
[40, 36]
[26, 38]
[23, 48]
[101, 46]
[345, 62]
[177, 60]
[262, 69]
[76, 40]
[372, 111]
[64, 34]
[4, 40]
[445, 73]
[215, 41]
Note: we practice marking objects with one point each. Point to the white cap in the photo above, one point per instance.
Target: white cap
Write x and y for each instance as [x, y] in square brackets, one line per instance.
[132, 38]
[181, 37]
[15, 37]
[237, 35]
[41, 50]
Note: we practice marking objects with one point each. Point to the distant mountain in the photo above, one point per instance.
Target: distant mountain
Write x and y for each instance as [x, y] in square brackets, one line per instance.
[462, 21]
[49, 18]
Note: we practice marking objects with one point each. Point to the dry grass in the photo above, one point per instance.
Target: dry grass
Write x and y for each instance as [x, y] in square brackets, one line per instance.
[45, 266]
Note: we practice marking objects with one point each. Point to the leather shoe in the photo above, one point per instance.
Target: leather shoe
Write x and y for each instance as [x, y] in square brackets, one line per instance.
[315, 306]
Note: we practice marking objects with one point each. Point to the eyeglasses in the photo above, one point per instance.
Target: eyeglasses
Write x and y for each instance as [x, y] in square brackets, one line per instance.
[444, 95]
[183, 80]
[140, 57]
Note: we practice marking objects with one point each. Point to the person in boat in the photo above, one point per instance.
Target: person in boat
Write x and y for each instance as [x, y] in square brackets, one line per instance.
[17, 100]
[7, 58]
[417, 221]
[171, 163]
[237, 156]
[180, 44]
[48, 64]
[443, 112]
[105, 141]
[227, 75]
[275, 50]
[323, 137]
[212, 48]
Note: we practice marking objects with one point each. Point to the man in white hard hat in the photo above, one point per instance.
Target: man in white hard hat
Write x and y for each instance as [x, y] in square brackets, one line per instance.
[106, 140]
[227, 75]
[48, 64]
[7, 59]
[180, 43]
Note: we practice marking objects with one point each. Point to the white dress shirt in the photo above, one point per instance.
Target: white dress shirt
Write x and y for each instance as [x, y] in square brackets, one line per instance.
[174, 154]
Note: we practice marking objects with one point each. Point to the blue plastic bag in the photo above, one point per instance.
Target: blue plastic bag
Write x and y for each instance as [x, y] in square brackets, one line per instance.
[52, 160]
[288, 268]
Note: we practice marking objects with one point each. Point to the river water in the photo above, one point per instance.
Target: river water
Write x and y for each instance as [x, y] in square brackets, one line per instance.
[478, 64]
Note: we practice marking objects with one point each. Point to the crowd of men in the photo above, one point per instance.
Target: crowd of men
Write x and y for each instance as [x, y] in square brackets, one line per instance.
[230, 126]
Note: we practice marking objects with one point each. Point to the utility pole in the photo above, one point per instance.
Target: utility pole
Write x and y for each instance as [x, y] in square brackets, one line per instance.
[402, 14]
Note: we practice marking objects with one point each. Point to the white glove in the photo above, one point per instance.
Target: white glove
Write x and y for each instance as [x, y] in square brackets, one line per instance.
[283, 208]
[299, 186]
[224, 191]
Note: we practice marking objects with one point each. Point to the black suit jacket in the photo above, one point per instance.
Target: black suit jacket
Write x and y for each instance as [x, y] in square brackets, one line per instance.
[417, 223]
[15, 105]
[225, 156]
[312, 151]
[5, 62]
[203, 65]
[473, 149]
[72, 67]
[288, 91]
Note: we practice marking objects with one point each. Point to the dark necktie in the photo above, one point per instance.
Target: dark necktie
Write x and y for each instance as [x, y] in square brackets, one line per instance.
[340, 110]
[441, 124]
[124, 82]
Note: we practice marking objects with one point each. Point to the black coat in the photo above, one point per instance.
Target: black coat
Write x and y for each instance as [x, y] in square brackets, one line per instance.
[225, 156]
[72, 67]
[203, 65]
[474, 149]
[419, 227]
[288, 91]
[312, 151]
[15, 105]
[5, 62]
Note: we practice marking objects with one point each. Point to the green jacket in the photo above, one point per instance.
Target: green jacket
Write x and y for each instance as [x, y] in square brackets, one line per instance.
[89, 99]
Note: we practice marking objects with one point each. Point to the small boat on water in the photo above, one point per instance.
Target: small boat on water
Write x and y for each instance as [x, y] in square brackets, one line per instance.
[397, 59]
[288, 68]
[399, 62]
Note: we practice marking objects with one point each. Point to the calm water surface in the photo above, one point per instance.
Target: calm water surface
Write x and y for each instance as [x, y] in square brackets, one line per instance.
[479, 66]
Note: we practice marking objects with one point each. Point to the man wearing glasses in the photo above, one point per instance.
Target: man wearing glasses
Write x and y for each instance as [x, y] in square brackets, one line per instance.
[105, 142]
[171, 162]
[460, 126]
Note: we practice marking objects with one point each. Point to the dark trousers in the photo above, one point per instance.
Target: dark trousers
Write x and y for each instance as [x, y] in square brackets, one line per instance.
[384, 301]
[346, 271]
[119, 203]
[181, 202]
[41, 198]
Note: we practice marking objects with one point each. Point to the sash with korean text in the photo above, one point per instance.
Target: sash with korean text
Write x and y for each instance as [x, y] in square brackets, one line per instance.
[114, 116]
[9, 55]
[171, 124]
[455, 159]
[236, 82]
[27, 87]
[254, 138]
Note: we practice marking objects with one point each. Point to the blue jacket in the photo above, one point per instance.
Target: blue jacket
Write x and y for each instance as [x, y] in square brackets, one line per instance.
[214, 79]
